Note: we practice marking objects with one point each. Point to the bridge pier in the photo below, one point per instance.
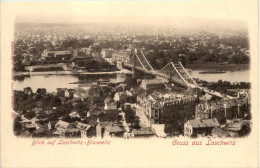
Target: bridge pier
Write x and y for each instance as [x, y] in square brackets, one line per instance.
[133, 73]
[136, 74]
[141, 75]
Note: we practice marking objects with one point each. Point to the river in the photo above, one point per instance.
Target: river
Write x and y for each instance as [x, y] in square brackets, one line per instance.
[51, 82]
[231, 76]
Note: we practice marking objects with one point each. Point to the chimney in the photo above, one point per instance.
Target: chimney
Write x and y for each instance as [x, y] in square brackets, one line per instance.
[210, 113]
[225, 107]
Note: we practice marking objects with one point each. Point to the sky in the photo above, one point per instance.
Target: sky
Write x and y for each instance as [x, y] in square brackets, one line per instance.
[178, 13]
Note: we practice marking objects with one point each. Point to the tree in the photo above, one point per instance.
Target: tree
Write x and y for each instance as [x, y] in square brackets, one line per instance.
[95, 91]
[131, 82]
[28, 90]
[30, 114]
[19, 67]
[63, 110]
[244, 131]
[172, 127]
[46, 102]
[68, 119]
[56, 101]
[136, 122]
[82, 108]
[17, 127]
[123, 99]
[41, 91]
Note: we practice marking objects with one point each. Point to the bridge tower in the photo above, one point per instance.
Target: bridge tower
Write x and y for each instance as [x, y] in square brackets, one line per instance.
[133, 69]
[134, 73]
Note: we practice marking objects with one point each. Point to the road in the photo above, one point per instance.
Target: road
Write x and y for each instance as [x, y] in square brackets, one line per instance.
[143, 120]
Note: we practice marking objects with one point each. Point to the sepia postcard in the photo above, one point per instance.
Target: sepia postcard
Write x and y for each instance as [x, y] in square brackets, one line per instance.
[129, 84]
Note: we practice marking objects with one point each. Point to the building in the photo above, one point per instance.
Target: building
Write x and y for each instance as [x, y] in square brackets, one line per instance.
[25, 134]
[143, 132]
[197, 126]
[109, 104]
[82, 61]
[159, 108]
[64, 92]
[83, 129]
[62, 127]
[222, 110]
[204, 111]
[107, 53]
[122, 55]
[113, 131]
[219, 133]
[87, 51]
[28, 126]
[119, 96]
[239, 93]
[110, 129]
[63, 55]
[179, 109]
[121, 87]
[236, 125]
[51, 124]
[152, 84]
[56, 56]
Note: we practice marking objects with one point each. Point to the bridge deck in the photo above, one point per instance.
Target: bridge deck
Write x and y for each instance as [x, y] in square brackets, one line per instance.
[180, 75]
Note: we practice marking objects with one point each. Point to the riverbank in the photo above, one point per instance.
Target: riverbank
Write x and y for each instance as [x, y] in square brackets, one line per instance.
[123, 71]
[223, 67]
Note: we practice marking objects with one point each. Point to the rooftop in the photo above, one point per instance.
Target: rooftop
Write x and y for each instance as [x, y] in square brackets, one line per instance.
[83, 126]
[62, 124]
[108, 100]
[197, 123]
[152, 81]
[142, 131]
[114, 128]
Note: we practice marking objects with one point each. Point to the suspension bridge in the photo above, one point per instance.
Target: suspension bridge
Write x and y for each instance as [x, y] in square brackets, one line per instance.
[173, 71]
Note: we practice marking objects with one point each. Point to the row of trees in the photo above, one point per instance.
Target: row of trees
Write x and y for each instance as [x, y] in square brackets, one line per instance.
[75, 43]
[97, 64]
[223, 86]
[159, 58]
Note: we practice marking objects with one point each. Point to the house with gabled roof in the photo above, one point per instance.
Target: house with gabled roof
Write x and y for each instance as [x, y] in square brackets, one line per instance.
[25, 134]
[83, 129]
[119, 96]
[110, 104]
[219, 133]
[198, 126]
[64, 92]
[112, 130]
[121, 87]
[152, 84]
[143, 132]
[62, 127]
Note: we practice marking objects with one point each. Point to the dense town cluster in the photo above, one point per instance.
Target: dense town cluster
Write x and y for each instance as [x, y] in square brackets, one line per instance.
[84, 46]
[144, 106]
[134, 108]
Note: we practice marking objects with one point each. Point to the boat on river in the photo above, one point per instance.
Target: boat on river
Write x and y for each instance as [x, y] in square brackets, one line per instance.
[212, 72]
